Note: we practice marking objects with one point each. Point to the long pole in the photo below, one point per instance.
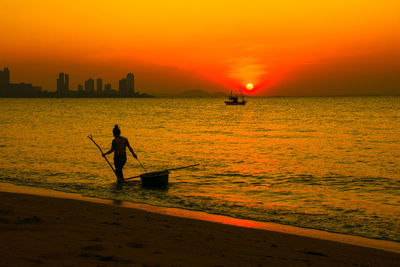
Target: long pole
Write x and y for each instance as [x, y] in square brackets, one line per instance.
[183, 167]
[141, 165]
[91, 138]
[130, 178]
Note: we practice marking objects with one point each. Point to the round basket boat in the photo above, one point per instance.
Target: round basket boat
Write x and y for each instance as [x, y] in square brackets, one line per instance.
[155, 179]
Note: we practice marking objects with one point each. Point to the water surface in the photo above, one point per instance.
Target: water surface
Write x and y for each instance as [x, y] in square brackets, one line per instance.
[323, 163]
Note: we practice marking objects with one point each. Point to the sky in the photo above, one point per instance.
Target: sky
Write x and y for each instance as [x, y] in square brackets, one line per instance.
[285, 47]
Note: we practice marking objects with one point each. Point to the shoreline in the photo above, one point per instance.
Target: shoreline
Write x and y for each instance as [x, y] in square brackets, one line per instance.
[55, 231]
[384, 245]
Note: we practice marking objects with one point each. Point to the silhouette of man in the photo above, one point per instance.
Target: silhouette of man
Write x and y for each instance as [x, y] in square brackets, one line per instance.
[118, 146]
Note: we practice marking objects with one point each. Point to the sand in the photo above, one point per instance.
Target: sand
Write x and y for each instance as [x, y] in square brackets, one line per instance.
[49, 231]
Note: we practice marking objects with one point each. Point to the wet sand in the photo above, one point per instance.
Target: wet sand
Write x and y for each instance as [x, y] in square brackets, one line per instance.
[49, 231]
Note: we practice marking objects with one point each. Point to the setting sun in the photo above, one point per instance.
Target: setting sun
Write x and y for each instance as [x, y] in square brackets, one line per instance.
[249, 86]
[287, 48]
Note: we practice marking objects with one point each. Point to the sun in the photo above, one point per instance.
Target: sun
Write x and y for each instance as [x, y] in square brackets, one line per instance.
[249, 86]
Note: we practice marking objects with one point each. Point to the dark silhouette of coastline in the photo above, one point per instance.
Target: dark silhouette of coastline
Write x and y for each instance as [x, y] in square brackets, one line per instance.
[126, 88]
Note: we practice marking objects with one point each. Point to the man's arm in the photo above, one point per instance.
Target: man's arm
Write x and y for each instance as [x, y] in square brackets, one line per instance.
[111, 149]
[130, 149]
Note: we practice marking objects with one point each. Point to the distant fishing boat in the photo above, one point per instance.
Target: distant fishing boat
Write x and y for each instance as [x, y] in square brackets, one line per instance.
[234, 100]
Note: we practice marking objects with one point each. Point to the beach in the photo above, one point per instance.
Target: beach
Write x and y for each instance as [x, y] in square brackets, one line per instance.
[52, 231]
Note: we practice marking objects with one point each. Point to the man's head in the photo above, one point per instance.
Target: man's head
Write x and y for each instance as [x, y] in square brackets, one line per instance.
[116, 131]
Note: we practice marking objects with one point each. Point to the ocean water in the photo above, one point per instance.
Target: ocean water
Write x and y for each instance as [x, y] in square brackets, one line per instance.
[328, 163]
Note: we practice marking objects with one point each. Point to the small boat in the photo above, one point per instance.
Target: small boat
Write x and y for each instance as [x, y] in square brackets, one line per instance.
[155, 179]
[234, 100]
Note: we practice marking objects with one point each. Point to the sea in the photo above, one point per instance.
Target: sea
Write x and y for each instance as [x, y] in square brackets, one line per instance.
[327, 163]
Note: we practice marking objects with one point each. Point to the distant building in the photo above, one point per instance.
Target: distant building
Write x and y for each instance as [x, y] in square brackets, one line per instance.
[25, 90]
[66, 84]
[122, 87]
[4, 77]
[127, 85]
[80, 88]
[130, 84]
[107, 88]
[8, 89]
[89, 85]
[62, 83]
[108, 91]
[99, 83]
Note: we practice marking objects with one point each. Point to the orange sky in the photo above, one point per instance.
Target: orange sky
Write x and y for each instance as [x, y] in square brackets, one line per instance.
[283, 47]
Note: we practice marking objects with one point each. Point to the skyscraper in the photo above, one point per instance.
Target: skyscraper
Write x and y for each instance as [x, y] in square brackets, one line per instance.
[122, 87]
[99, 83]
[127, 85]
[60, 83]
[66, 84]
[89, 85]
[4, 77]
[130, 84]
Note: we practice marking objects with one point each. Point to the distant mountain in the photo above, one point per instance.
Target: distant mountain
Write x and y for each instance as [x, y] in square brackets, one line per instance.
[219, 94]
[200, 93]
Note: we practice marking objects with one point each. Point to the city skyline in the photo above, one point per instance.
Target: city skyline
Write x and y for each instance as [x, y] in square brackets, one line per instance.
[283, 48]
[91, 88]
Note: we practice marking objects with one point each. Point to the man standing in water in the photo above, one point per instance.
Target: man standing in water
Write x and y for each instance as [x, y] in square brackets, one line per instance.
[118, 146]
